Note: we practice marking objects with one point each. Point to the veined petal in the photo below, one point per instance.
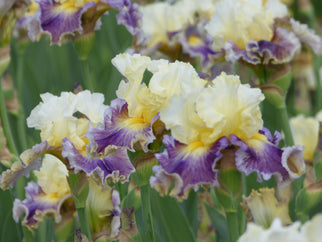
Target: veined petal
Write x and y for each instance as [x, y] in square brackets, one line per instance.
[60, 19]
[189, 166]
[280, 49]
[31, 160]
[120, 130]
[115, 166]
[259, 155]
[36, 205]
[129, 16]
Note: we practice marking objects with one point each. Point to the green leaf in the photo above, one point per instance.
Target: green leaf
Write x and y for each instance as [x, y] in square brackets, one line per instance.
[169, 219]
[219, 222]
[9, 229]
[162, 219]
[190, 208]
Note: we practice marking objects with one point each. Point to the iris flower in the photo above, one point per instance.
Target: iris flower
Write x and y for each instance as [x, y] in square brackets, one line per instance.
[258, 32]
[45, 197]
[58, 18]
[216, 126]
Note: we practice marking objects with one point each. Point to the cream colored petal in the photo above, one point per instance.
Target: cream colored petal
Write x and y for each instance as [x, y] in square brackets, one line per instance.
[52, 176]
[312, 229]
[305, 132]
[262, 208]
[131, 66]
[243, 20]
[91, 105]
[233, 104]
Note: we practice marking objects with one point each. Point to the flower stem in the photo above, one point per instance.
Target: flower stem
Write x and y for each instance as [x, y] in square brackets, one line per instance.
[232, 221]
[87, 76]
[6, 124]
[21, 117]
[318, 90]
[81, 211]
[286, 126]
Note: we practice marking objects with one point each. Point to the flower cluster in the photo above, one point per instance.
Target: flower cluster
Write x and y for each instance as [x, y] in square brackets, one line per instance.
[200, 115]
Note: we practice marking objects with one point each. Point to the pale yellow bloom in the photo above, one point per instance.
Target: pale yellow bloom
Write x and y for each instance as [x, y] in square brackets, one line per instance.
[52, 177]
[160, 18]
[167, 79]
[56, 117]
[223, 108]
[305, 132]
[243, 20]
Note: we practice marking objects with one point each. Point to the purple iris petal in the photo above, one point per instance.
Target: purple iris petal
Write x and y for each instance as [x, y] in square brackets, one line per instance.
[57, 22]
[280, 49]
[31, 160]
[116, 213]
[129, 14]
[188, 169]
[121, 130]
[273, 139]
[130, 17]
[266, 159]
[36, 205]
[202, 50]
[115, 166]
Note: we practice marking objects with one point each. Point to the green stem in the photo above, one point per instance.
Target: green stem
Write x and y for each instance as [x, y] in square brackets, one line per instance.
[6, 123]
[286, 126]
[318, 90]
[243, 219]
[232, 221]
[87, 76]
[84, 222]
[21, 117]
[146, 209]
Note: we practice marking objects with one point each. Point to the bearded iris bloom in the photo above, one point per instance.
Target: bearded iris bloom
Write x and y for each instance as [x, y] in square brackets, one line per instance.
[131, 118]
[45, 197]
[216, 125]
[258, 32]
[58, 18]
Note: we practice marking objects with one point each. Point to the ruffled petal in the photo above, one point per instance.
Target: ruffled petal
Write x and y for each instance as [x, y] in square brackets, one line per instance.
[266, 159]
[115, 166]
[31, 160]
[307, 36]
[188, 166]
[120, 130]
[36, 205]
[280, 49]
[58, 21]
